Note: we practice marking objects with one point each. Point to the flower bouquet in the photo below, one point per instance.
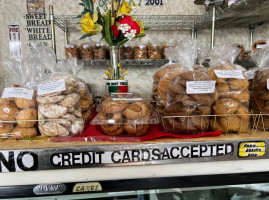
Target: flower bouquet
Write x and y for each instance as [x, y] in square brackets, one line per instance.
[116, 25]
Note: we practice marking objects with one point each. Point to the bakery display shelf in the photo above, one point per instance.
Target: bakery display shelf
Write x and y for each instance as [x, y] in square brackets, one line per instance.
[155, 22]
[43, 154]
[242, 13]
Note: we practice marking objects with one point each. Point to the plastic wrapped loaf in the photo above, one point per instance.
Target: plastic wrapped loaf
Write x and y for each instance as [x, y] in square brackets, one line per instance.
[232, 94]
[190, 95]
[140, 52]
[260, 85]
[59, 109]
[128, 52]
[154, 51]
[99, 52]
[71, 51]
[131, 116]
[86, 51]
[18, 104]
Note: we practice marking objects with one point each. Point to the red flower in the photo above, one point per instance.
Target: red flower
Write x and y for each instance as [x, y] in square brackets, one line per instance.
[115, 30]
[134, 26]
[125, 20]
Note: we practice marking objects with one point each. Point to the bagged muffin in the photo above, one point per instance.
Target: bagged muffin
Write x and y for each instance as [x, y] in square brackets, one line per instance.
[232, 94]
[58, 98]
[128, 52]
[99, 52]
[261, 85]
[154, 51]
[190, 95]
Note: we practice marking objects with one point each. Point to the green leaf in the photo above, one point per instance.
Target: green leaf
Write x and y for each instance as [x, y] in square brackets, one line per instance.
[121, 43]
[146, 28]
[140, 35]
[107, 30]
[81, 4]
[89, 5]
[85, 35]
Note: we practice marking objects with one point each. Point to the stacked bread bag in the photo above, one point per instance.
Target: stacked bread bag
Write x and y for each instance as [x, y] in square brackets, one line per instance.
[232, 94]
[162, 78]
[129, 116]
[260, 86]
[18, 107]
[58, 98]
[190, 95]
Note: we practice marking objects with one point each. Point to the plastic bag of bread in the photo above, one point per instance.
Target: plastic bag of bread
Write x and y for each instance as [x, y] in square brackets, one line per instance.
[125, 116]
[86, 51]
[99, 52]
[154, 51]
[128, 52]
[58, 98]
[190, 95]
[232, 94]
[71, 51]
[18, 104]
[170, 53]
[260, 85]
[140, 52]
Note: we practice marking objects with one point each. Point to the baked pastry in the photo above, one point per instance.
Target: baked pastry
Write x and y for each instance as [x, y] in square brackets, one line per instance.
[86, 52]
[140, 52]
[5, 130]
[136, 129]
[53, 129]
[25, 116]
[52, 110]
[26, 103]
[22, 132]
[8, 111]
[70, 100]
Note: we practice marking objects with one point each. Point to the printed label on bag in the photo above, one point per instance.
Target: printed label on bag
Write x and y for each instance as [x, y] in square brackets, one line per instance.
[237, 74]
[259, 46]
[200, 87]
[86, 46]
[32, 85]
[69, 46]
[51, 87]
[267, 80]
[16, 92]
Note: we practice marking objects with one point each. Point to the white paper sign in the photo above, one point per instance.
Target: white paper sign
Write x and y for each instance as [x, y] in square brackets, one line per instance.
[17, 92]
[14, 40]
[200, 87]
[86, 46]
[69, 46]
[259, 46]
[51, 87]
[237, 74]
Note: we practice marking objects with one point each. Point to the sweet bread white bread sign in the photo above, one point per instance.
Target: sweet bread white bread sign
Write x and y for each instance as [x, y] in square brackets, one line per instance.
[14, 40]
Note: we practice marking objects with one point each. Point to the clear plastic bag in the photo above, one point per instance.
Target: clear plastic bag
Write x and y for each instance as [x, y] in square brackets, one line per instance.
[131, 116]
[100, 52]
[154, 51]
[140, 52]
[18, 106]
[71, 51]
[86, 51]
[190, 95]
[59, 109]
[128, 52]
[260, 84]
[231, 102]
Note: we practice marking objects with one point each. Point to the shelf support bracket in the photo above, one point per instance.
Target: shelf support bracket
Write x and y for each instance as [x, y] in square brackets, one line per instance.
[65, 32]
[52, 26]
[194, 30]
[251, 31]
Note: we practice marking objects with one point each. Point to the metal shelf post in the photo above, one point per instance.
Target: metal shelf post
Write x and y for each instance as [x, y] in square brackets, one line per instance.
[52, 25]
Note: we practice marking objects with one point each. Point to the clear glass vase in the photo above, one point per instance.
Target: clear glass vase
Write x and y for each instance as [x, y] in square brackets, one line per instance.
[115, 61]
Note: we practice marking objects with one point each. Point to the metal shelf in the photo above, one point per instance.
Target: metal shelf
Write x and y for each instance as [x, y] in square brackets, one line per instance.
[126, 62]
[243, 13]
[155, 22]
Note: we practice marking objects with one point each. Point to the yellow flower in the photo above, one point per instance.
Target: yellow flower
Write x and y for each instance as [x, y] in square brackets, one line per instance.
[88, 24]
[125, 9]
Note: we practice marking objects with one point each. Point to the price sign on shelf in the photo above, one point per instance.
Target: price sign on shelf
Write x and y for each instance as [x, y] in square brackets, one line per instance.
[154, 3]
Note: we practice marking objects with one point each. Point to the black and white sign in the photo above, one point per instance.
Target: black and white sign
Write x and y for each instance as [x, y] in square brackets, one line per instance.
[154, 2]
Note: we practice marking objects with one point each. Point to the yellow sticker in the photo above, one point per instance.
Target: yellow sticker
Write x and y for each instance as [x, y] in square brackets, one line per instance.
[87, 187]
[252, 144]
[251, 154]
[252, 149]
